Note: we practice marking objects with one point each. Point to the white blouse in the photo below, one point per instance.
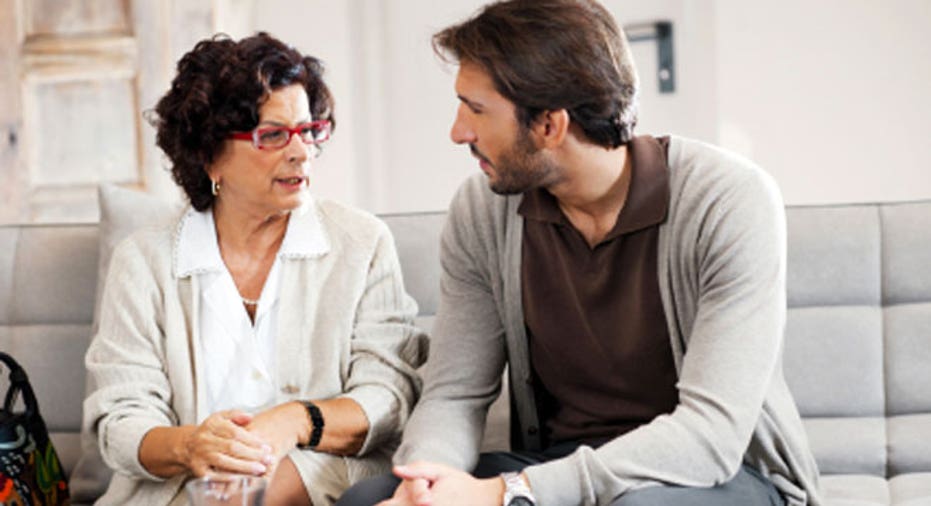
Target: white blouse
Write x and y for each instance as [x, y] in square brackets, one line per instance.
[239, 354]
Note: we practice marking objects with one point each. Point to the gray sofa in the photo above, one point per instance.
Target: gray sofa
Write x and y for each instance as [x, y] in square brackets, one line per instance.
[857, 352]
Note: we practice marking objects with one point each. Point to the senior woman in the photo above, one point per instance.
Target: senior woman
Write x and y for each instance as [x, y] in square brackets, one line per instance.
[265, 332]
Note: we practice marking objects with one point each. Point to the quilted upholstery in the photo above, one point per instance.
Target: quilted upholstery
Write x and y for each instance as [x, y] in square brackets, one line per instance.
[857, 351]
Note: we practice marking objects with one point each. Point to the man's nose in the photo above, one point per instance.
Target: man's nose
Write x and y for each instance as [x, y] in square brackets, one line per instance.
[461, 132]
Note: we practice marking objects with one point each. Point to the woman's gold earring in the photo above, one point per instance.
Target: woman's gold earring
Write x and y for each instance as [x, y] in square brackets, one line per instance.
[214, 187]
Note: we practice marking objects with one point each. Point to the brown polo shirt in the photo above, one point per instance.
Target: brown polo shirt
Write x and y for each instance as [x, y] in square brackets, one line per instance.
[599, 346]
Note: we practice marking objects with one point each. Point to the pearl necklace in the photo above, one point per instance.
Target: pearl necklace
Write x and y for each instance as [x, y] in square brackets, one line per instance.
[249, 302]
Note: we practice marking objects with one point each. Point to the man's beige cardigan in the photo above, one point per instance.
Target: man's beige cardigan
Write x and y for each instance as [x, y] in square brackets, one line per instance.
[345, 329]
[721, 270]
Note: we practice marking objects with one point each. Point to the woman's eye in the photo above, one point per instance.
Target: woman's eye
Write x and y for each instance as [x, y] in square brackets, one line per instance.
[271, 135]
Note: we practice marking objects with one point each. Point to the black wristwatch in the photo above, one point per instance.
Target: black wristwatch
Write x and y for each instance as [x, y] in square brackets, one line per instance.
[316, 423]
[516, 491]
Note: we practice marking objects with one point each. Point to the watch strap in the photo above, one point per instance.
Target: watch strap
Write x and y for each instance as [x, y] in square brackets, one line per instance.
[516, 488]
[316, 424]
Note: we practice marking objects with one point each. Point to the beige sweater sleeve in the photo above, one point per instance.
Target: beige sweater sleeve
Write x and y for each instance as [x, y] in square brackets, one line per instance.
[385, 348]
[127, 361]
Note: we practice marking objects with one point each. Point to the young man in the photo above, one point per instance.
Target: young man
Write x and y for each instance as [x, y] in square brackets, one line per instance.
[635, 286]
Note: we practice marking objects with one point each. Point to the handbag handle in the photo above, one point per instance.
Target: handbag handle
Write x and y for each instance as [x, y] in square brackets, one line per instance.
[19, 382]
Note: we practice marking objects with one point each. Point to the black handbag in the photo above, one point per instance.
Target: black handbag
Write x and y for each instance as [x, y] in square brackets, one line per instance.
[30, 471]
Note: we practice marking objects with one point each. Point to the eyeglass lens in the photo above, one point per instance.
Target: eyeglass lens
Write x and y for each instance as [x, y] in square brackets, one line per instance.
[310, 133]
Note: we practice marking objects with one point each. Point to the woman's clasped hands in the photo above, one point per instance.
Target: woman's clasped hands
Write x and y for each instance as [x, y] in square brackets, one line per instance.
[236, 442]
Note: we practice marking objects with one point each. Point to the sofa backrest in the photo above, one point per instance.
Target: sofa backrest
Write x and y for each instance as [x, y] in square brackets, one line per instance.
[858, 336]
[47, 282]
[48, 279]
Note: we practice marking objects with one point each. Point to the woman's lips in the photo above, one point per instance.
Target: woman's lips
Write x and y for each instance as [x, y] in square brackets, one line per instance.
[293, 182]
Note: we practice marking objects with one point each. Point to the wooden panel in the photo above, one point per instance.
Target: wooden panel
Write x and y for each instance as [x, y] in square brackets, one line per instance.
[164, 32]
[75, 78]
[11, 173]
[75, 17]
[62, 204]
[191, 21]
[82, 132]
[85, 57]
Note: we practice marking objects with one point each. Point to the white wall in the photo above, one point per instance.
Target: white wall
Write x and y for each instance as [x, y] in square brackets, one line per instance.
[831, 97]
[395, 101]
[692, 109]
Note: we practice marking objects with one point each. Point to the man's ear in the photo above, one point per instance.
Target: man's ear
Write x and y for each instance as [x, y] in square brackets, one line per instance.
[550, 128]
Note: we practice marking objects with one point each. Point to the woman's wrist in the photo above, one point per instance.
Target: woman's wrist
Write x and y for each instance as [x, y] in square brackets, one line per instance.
[312, 413]
[182, 447]
[303, 426]
[165, 451]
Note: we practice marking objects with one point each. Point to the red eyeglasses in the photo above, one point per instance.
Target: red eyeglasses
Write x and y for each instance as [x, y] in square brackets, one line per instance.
[277, 137]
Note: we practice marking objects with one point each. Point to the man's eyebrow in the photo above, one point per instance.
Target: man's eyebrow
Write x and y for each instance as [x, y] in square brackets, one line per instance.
[471, 103]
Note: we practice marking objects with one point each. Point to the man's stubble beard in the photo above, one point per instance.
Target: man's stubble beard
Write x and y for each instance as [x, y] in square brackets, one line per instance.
[523, 168]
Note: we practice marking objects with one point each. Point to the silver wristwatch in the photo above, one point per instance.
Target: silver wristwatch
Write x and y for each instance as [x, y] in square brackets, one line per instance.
[516, 491]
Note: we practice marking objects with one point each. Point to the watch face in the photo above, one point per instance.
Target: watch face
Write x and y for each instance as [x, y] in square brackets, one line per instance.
[521, 501]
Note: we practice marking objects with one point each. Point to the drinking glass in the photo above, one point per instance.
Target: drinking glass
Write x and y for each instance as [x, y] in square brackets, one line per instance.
[227, 490]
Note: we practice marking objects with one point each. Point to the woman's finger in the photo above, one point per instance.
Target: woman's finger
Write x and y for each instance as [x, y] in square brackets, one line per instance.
[240, 418]
[226, 429]
[223, 463]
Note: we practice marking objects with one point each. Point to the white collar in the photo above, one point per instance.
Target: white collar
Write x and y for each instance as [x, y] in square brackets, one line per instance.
[196, 249]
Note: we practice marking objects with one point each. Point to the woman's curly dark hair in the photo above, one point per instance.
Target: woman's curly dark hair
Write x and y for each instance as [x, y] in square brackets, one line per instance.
[219, 88]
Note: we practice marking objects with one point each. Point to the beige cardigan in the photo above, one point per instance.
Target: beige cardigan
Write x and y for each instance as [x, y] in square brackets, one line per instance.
[345, 329]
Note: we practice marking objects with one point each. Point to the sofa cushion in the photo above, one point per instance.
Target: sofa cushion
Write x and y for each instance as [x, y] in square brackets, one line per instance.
[834, 256]
[913, 489]
[42, 349]
[9, 238]
[52, 277]
[909, 443]
[824, 386]
[906, 266]
[907, 358]
[418, 246]
[123, 211]
[848, 445]
[854, 490]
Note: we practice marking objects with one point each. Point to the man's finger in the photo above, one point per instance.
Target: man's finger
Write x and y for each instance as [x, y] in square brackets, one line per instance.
[423, 470]
[390, 502]
[420, 492]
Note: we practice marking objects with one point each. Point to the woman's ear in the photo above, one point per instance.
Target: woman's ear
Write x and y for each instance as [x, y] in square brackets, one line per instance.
[550, 128]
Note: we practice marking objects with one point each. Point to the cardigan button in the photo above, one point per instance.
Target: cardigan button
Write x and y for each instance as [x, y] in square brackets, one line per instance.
[289, 389]
[532, 430]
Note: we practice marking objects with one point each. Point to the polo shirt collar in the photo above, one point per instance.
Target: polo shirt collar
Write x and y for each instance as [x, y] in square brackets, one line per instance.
[647, 199]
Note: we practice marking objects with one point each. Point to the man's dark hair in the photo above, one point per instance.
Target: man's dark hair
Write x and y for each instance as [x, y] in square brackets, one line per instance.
[220, 86]
[553, 54]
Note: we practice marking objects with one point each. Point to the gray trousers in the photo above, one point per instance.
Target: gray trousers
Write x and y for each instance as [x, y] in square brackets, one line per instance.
[748, 488]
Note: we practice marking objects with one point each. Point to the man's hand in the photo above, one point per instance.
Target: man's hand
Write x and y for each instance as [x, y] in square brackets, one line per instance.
[429, 484]
[414, 492]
